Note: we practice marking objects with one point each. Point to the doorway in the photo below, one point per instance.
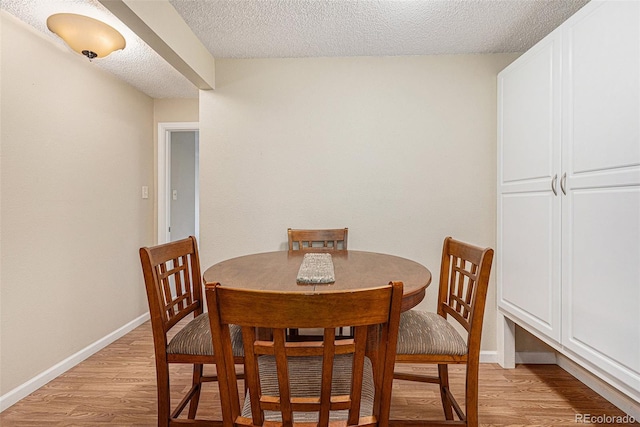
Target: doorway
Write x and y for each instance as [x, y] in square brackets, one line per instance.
[177, 186]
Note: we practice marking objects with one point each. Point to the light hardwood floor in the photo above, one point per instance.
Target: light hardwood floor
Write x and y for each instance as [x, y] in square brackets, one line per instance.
[116, 386]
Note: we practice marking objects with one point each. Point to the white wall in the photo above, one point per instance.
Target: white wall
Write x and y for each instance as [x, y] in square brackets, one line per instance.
[77, 146]
[402, 150]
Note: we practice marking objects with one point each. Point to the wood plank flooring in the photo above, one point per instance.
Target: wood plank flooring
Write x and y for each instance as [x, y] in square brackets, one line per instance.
[116, 386]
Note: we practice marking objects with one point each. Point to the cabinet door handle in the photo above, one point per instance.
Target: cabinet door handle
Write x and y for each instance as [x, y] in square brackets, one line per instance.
[563, 181]
[553, 184]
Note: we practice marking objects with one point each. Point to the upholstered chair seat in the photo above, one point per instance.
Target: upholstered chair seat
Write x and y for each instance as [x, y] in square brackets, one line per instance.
[195, 339]
[423, 332]
[305, 380]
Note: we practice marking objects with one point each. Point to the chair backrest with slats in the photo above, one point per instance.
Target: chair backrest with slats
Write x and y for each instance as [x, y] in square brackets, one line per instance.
[289, 382]
[464, 279]
[318, 240]
[173, 282]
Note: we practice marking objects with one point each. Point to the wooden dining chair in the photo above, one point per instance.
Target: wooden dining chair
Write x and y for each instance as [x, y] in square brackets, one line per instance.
[325, 240]
[431, 338]
[318, 240]
[332, 382]
[174, 292]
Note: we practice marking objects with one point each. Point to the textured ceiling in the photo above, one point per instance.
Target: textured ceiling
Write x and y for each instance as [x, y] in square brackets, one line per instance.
[316, 28]
[308, 28]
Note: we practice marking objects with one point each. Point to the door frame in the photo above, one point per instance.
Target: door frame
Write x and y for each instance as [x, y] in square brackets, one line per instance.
[163, 182]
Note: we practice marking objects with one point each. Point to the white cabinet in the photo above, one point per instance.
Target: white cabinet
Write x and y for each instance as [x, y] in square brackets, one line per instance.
[601, 209]
[528, 206]
[568, 258]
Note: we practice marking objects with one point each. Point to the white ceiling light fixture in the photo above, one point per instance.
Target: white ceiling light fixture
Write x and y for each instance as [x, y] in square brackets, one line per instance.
[88, 36]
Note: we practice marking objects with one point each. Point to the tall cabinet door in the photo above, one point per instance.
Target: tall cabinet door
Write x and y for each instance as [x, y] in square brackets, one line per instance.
[528, 267]
[601, 211]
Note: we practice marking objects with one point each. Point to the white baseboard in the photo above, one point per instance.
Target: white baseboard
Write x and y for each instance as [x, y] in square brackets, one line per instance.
[488, 356]
[39, 380]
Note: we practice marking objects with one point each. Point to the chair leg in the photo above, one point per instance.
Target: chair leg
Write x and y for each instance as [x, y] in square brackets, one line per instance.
[471, 396]
[443, 374]
[197, 383]
[164, 396]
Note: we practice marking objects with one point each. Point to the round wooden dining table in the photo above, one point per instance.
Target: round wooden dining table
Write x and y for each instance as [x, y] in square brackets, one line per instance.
[278, 271]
